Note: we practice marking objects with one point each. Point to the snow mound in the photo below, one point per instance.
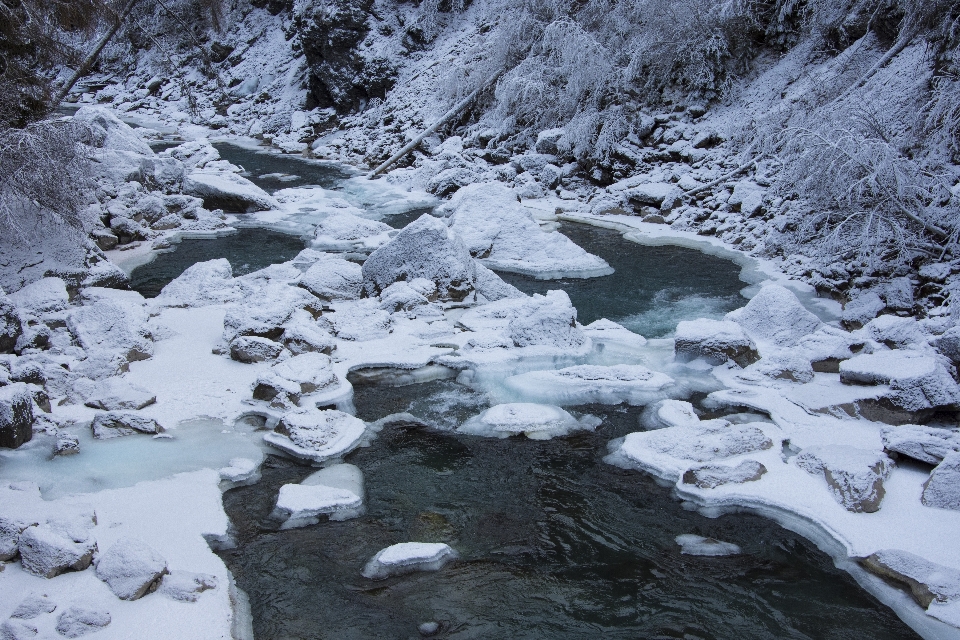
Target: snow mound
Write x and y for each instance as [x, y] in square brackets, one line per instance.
[716, 341]
[942, 489]
[46, 295]
[775, 316]
[408, 557]
[694, 545]
[317, 435]
[343, 231]
[202, 284]
[333, 278]
[335, 491]
[715, 475]
[228, 191]
[854, 476]
[536, 421]
[131, 568]
[634, 384]
[668, 413]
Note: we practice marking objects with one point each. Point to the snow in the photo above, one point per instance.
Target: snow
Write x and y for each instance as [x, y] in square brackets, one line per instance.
[343, 231]
[46, 295]
[584, 384]
[335, 491]
[333, 278]
[668, 413]
[536, 421]
[203, 283]
[855, 476]
[407, 557]
[227, 191]
[775, 317]
[716, 341]
[131, 568]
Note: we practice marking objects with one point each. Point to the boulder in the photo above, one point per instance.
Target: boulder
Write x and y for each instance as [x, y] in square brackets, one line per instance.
[896, 332]
[113, 330]
[492, 287]
[333, 278]
[10, 326]
[335, 491]
[360, 320]
[748, 195]
[948, 343]
[854, 476]
[115, 424]
[861, 309]
[264, 313]
[48, 551]
[536, 421]
[79, 620]
[549, 320]
[926, 444]
[46, 295]
[928, 582]
[942, 488]
[784, 365]
[17, 630]
[202, 284]
[342, 231]
[668, 413]
[408, 557]
[583, 384]
[131, 568]
[242, 472]
[425, 248]
[66, 445]
[16, 415]
[228, 191]
[918, 382]
[550, 141]
[115, 394]
[32, 606]
[307, 337]
[253, 349]
[652, 194]
[898, 294]
[714, 475]
[317, 435]
[186, 586]
[694, 545]
[716, 341]
[775, 315]
[296, 376]
[10, 530]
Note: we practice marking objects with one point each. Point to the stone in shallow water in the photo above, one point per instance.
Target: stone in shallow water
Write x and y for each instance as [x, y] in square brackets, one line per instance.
[536, 421]
[317, 435]
[694, 545]
[408, 557]
[336, 491]
[712, 476]
[854, 476]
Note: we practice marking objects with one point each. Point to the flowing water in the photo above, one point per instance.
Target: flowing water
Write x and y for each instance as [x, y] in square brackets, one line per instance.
[554, 543]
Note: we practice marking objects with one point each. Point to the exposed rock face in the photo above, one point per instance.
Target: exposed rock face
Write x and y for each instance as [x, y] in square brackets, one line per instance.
[942, 489]
[130, 568]
[716, 341]
[712, 476]
[16, 415]
[854, 476]
[341, 76]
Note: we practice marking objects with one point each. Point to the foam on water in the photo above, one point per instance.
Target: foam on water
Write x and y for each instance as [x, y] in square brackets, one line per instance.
[670, 306]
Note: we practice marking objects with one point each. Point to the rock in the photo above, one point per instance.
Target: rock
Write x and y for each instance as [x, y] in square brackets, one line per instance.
[252, 349]
[202, 284]
[425, 248]
[634, 384]
[942, 489]
[112, 329]
[114, 424]
[79, 620]
[186, 586]
[652, 194]
[10, 530]
[949, 343]
[116, 394]
[549, 320]
[317, 435]
[342, 231]
[826, 348]
[786, 365]
[450, 180]
[32, 606]
[694, 545]
[861, 309]
[264, 313]
[47, 552]
[335, 491]
[716, 341]
[929, 583]
[497, 229]
[775, 315]
[302, 374]
[549, 142]
[10, 326]
[401, 297]
[242, 472]
[303, 337]
[536, 421]
[333, 278]
[131, 568]
[712, 476]
[854, 476]
[918, 382]
[749, 196]
[408, 557]
[16, 415]
[668, 413]
[926, 444]
[46, 295]
[428, 629]
[228, 191]
[67, 445]
[17, 630]
[896, 332]
[360, 320]
[898, 294]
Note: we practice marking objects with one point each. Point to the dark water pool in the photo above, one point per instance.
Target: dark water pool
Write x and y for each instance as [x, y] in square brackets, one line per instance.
[248, 250]
[272, 172]
[554, 544]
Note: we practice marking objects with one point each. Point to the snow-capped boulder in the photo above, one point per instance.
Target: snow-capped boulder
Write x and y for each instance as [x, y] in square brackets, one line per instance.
[861, 309]
[929, 583]
[825, 348]
[10, 529]
[227, 191]
[492, 287]
[115, 424]
[302, 336]
[898, 293]
[942, 489]
[606, 334]
[536, 421]
[775, 316]
[425, 248]
[242, 472]
[115, 394]
[131, 568]
[186, 586]
[264, 313]
[716, 341]
[408, 557]
[17, 630]
[400, 296]
[500, 232]
[668, 413]
[335, 491]
[694, 545]
[16, 415]
[896, 332]
[854, 476]
[583, 384]
[360, 320]
[783, 365]
[333, 278]
[46, 295]
[926, 444]
[32, 606]
[549, 320]
[202, 284]
[918, 381]
[710, 476]
[651, 194]
[10, 325]
[251, 349]
[669, 452]
[111, 326]
[948, 343]
[119, 150]
[343, 231]
[749, 196]
[80, 619]
[295, 377]
[66, 445]
[317, 435]
[48, 551]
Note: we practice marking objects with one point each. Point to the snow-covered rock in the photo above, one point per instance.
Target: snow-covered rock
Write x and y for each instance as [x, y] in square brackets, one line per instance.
[10, 324]
[335, 491]
[668, 413]
[120, 152]
[932, 585]
[47, 551]
[17, 630]
[16, 415]
[861, 309]
[10, 529]
[942, 489]
[112, 329]
[66, 445]
[500, 232]
[202, 284]
[775, 316]
[302, 336]
[343, 231]
[264, 313]
[926, 444]
[536, 421]
[131, 568]
[186, 586]
[783, 365]
[651, 194]
[896, 332]
[114, 424]
[408, 557]
[918, 381]
[694, 545]
[492, 287]
[583, 384]
[400, 297]
[854, 476]
[32, 606]
[80, 619]
[317, 435]
[241, 472]
[716, 341]
[228, 191]
[748, 195]
[710, 476]
[115, 394]
[251, 349]
[425, 248]
[359, 320]
[333, 278]
[46, 295]
[294, 377]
